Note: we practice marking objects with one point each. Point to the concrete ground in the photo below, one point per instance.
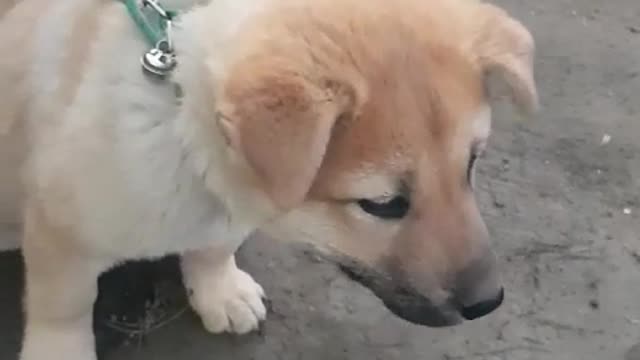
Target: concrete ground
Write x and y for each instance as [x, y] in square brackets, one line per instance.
[562, 204]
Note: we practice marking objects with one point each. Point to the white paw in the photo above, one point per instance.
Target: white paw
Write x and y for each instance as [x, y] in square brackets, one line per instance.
[230, 302]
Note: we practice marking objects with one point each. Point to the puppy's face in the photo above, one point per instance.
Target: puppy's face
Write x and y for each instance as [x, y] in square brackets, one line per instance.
[362, 122]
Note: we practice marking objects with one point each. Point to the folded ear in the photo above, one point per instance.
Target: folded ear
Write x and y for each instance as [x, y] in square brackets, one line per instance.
[281, 123]
[504, 46]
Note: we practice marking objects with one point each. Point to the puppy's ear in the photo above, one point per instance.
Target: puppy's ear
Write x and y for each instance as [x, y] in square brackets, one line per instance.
[281, 123]
[504, 46]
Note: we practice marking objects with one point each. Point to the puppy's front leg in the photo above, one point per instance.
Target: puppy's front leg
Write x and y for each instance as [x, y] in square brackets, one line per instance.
[60, 290]
[226, 298]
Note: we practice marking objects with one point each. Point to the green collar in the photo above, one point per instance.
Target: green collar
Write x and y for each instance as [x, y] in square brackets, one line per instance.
[151, 19]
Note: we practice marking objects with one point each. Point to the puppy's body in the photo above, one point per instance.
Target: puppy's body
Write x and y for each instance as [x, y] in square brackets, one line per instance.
[113, 172]
[297, 108]
[130, 145]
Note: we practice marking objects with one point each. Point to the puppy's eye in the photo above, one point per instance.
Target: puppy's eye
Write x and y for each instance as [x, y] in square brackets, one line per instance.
[389, 209]
[473, 158]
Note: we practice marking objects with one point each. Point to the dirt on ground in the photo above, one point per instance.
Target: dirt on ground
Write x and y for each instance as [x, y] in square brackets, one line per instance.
[560, 193]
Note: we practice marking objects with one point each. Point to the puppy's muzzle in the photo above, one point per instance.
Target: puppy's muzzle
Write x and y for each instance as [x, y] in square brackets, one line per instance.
[474, 293]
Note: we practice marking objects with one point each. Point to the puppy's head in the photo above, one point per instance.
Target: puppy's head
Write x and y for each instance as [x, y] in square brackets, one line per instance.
[362, 121]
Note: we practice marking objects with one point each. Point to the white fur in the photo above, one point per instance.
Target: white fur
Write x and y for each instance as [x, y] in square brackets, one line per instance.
[140, 182]
[9, 240]
[141, 151]
[482, 124]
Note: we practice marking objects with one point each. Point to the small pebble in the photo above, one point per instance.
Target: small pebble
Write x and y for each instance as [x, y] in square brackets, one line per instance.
[606, 138]
[627, 211]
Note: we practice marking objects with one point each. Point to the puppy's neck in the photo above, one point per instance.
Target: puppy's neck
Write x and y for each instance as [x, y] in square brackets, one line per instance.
[203, 39]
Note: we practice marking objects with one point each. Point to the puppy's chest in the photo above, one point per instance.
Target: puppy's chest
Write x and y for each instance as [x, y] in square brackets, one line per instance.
[159, 221]
[180, 227]
[147, 199]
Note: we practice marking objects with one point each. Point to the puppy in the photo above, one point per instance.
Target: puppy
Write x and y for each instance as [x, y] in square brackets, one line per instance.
[350, 125]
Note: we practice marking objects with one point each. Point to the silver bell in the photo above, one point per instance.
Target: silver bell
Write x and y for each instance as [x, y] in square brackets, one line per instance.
[160, 60]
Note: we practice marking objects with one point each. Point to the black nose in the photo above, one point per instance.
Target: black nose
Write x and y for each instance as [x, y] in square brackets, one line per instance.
[483, 308]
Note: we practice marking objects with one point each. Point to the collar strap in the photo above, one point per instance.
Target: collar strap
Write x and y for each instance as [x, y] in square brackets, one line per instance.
[155, 24]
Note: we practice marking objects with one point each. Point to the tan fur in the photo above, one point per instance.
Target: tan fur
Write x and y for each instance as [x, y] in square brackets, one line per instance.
[6, 5]
[83, 30]
[411, 106]
[293, 111]
[15, 30]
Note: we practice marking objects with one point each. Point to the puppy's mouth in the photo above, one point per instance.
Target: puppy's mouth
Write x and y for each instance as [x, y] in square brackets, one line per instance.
[401, 298]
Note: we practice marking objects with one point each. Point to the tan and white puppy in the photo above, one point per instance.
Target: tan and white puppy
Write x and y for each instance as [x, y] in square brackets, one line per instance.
[347, 124]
